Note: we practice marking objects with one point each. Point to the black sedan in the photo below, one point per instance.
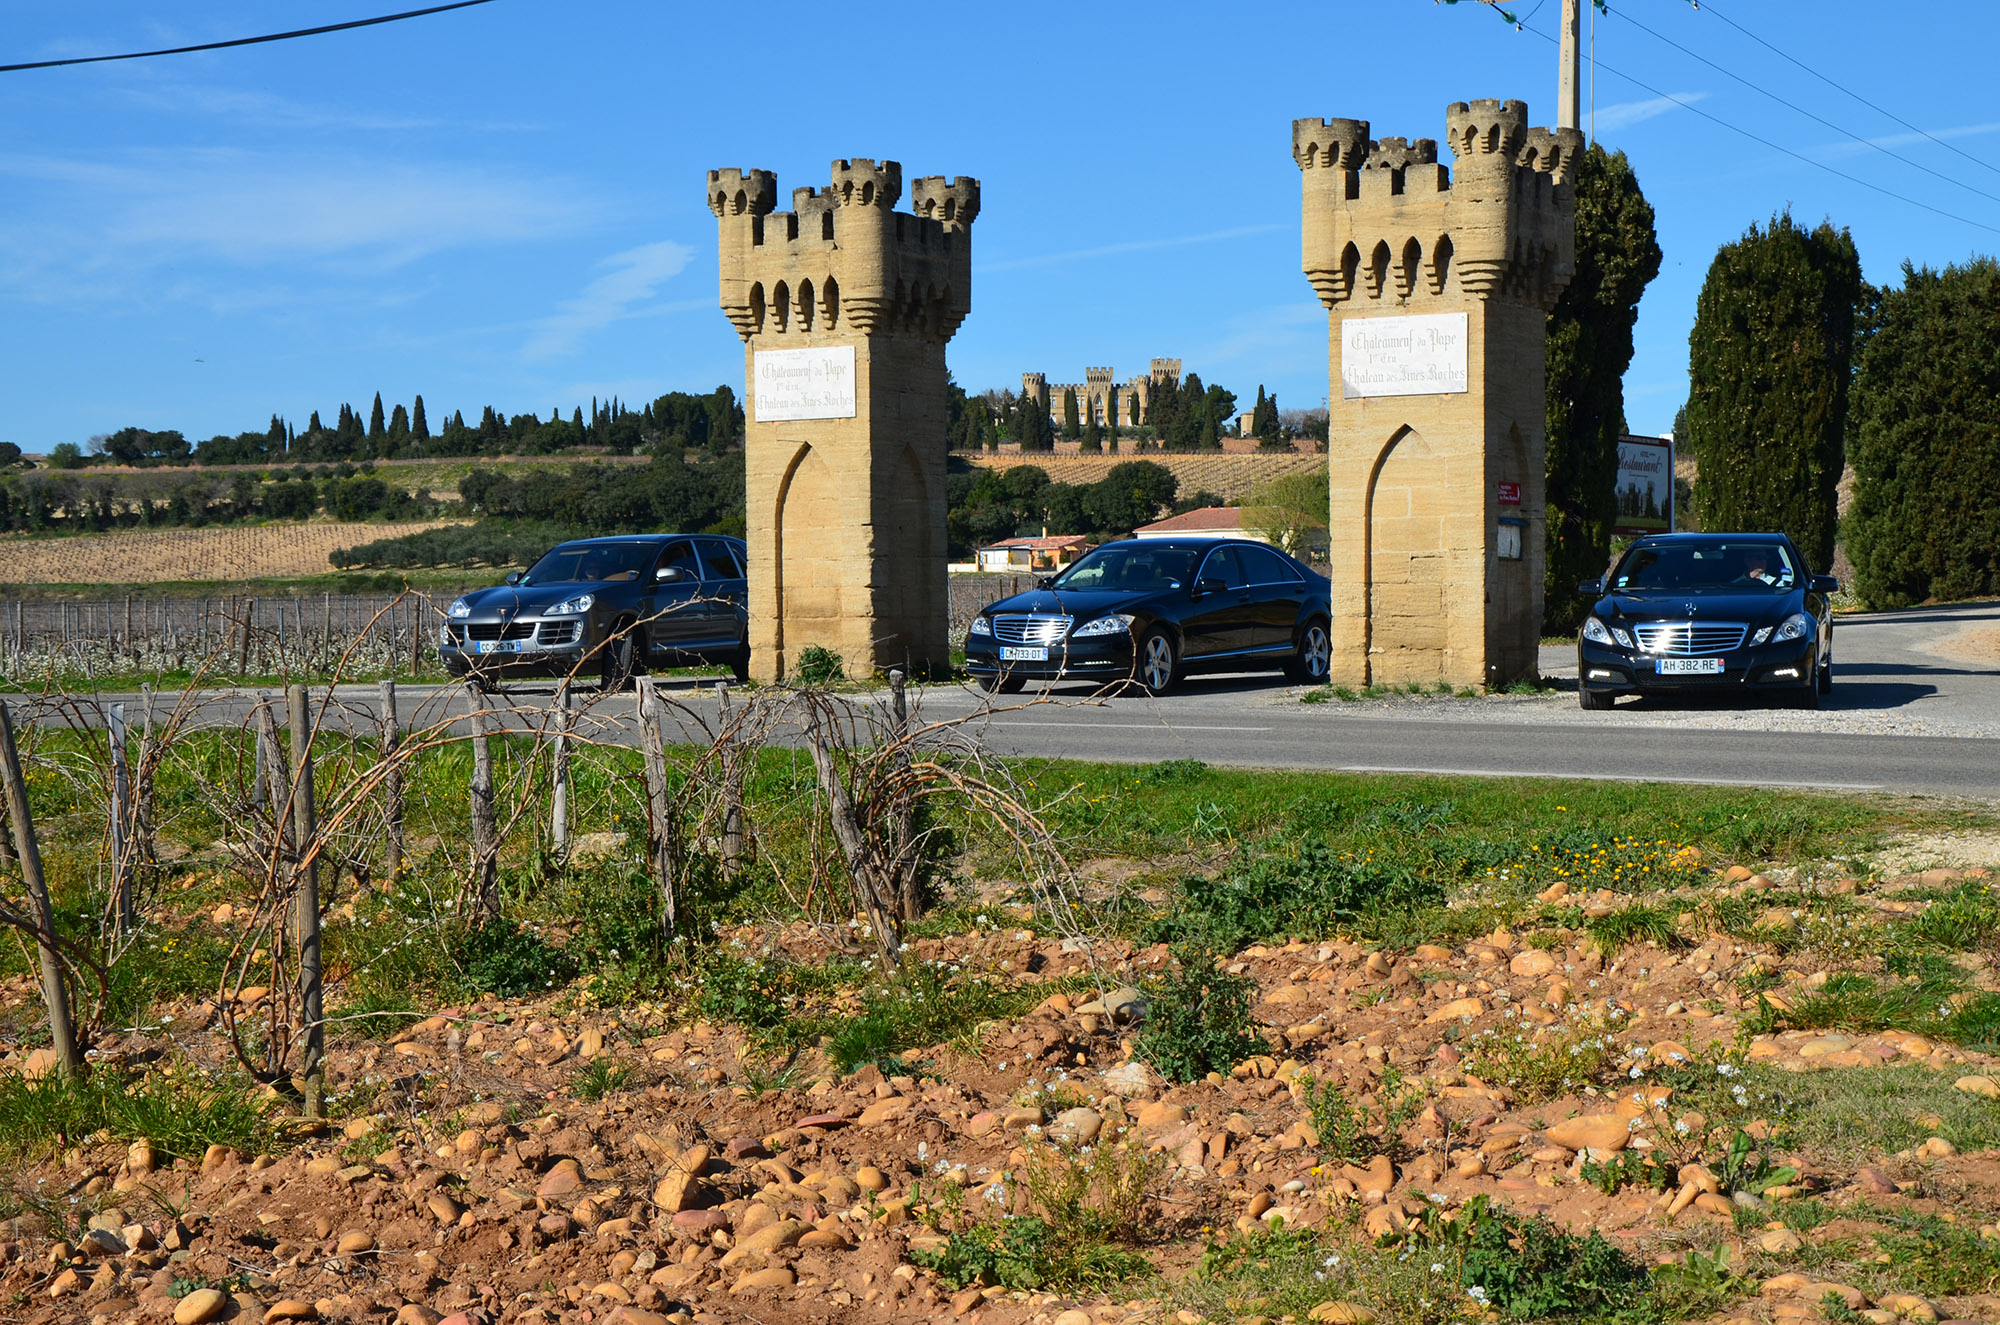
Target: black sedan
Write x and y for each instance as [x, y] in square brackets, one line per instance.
[608, 608]
[1153, 610]
[1705, 614]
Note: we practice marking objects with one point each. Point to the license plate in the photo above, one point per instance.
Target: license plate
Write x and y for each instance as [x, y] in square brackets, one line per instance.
[1690, 666]
[497, 646]
[1010, 653]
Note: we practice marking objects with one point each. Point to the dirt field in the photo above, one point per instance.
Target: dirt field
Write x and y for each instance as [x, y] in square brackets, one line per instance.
[150, 556]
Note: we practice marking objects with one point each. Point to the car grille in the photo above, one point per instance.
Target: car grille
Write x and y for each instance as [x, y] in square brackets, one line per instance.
[1031, 628]
[557, 632]
[1690, 638]
[495, 630]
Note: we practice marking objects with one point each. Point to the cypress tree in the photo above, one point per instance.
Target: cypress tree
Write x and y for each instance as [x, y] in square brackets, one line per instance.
[1590, 347]
[1070, 428]
[1093, 435]
[1926, 425]
[1768, 371]
[376, 425]
[313, 426]
[1111, 418]
[399, 425]
[419, 428]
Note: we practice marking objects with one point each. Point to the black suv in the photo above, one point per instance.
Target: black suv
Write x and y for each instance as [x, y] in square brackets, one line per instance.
[609, 608]
[1707, 613]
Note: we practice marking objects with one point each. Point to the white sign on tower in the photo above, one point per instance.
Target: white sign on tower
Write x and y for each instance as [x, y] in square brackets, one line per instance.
[1419, 355]
[791, 385]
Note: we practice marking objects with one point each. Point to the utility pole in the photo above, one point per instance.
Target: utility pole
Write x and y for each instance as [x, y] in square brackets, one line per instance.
[1568, 80]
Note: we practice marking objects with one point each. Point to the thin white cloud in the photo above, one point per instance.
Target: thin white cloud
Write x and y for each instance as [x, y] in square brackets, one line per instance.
[628, 281]
[1114, 250]
[1610, 119]
[1854, 148]
[100, 226]
[252, 109]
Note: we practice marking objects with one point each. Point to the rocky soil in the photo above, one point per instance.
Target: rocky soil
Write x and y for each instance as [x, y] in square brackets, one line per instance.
[475, 1185]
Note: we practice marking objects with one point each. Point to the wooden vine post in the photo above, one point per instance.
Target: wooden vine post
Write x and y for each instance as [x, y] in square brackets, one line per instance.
[305, 905]
[663, 845]
[485, 883]
[392, 780]
[559, 774]
[55, 993]
[124, 916]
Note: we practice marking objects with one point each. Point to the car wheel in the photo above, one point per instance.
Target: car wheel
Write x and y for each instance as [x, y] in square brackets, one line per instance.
[999, 683]
[739, 666]
[1314, 656]
[1826, 677]
[1805, 696]
[1596, 701]
[1158, 662]
[620, 661]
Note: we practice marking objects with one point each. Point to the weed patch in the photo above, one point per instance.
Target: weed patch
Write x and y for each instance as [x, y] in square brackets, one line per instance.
[1199, 1019]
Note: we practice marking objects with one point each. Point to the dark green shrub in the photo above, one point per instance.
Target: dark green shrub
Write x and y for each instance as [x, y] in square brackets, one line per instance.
[1528, 1269]
[1198, 1021]
[499, 958]
[818, 666]
[1027, 1252]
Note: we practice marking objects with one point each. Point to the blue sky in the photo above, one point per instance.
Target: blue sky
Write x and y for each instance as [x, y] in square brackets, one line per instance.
[502, 205]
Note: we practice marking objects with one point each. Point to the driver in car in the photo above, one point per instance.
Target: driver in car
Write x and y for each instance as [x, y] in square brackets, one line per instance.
[1757, 567]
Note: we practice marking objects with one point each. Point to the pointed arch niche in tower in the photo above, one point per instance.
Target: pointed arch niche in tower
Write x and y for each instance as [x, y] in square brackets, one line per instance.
[1407, 501]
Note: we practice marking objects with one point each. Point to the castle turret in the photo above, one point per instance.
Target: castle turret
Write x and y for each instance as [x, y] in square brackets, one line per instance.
[1437, 282]
[845, 306]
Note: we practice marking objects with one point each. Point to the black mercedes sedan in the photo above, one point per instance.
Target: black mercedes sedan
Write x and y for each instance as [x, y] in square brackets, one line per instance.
[1707, 613]
[607, 608]
[1152, 610]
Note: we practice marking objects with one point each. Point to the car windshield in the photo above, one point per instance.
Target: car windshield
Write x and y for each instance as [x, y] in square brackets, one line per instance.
[1743, 566]
[592, 563]
[1136, 568]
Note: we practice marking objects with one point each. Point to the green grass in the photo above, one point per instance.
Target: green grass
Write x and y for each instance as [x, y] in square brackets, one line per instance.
[182, 1115]
[1841, 1117]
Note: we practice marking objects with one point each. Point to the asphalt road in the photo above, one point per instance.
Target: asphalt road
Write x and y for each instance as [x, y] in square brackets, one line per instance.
[1916, 708]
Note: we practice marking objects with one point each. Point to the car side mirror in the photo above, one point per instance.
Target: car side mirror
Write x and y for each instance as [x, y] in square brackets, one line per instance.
[669, 574]
[1824, 584]
[513, 577]
[1590, 588]
[1045, 581]
[1208, 584]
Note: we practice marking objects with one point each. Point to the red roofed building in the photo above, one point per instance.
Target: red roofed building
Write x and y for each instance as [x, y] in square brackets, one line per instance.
[1214, 521]
[1049, 552]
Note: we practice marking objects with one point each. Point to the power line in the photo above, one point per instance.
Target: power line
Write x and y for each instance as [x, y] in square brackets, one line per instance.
[1794, 106]
[1780, 148]
[1983, 165]
[244, 41]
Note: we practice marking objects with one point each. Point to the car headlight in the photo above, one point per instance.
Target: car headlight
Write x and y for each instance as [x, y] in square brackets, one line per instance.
[576, 606]
[459, 609]
[1598, 633]
[1796, 626]
[1115, 624]
[980, 626]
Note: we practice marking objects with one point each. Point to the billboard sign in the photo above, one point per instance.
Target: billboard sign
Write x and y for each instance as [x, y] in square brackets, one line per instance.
[1645, 486]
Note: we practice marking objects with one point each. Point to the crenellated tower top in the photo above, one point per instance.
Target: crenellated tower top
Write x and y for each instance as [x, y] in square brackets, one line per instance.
[844, 259]
[1386, 222]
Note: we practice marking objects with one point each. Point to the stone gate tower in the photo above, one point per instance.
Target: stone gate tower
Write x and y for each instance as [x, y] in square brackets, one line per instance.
[1437, 290]
[845, 305]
